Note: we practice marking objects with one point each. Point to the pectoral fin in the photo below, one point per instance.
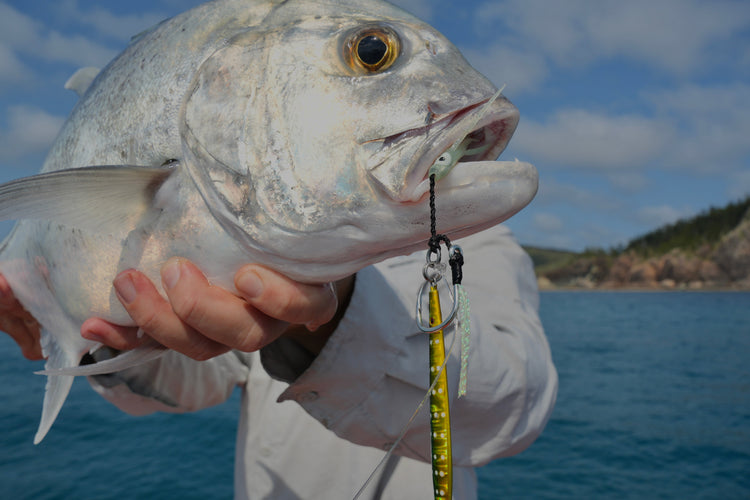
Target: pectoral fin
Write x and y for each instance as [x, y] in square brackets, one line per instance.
[146, 352]
[108, 199]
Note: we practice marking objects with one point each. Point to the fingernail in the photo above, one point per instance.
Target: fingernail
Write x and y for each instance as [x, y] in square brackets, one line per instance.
[311, 327]
[249, 284]
[170, 273]
[125, 288]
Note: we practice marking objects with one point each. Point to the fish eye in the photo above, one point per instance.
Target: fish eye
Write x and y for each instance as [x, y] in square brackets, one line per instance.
[372, 49]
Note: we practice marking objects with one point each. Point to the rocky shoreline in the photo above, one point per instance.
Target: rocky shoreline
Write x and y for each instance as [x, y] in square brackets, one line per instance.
[722, 266]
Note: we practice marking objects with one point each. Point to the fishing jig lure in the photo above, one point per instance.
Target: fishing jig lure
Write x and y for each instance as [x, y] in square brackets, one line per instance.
[440, 430]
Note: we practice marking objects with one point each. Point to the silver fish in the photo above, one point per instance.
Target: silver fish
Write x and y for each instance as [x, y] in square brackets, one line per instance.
[297, 134]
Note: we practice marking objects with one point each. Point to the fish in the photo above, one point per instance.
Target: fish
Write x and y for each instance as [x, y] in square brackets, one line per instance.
[296, 134]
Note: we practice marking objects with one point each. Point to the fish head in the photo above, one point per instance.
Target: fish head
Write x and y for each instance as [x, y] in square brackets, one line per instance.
[311, 136]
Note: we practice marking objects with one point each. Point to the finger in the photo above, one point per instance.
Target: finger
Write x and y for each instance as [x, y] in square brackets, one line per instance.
[122, 338]
[285, 299]
[25, 332]
[18, 323]
[8, 302]
[6, 294]
[215, 312]
[156, 317]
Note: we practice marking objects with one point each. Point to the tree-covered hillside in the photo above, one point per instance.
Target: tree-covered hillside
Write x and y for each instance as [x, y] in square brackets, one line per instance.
[690, 234]
[711, 249]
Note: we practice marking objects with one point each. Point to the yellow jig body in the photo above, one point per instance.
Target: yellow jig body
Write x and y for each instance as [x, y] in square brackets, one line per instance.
[442, 466]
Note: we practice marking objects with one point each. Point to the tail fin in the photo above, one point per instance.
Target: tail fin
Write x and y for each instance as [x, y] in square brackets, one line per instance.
[57, 388]
[61, 368]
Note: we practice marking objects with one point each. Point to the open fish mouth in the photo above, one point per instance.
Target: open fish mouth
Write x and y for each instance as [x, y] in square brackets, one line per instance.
[476, 134]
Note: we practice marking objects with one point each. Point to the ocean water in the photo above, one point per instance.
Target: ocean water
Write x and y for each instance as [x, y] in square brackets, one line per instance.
[654, 402]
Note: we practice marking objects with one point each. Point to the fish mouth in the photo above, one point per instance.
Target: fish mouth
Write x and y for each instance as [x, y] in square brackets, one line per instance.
[476, 133]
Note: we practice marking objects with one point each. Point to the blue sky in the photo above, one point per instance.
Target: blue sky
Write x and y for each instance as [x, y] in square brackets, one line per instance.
[636, 113]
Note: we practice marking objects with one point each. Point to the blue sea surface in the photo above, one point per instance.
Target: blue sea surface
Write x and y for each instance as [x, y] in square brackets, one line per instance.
[654, 402]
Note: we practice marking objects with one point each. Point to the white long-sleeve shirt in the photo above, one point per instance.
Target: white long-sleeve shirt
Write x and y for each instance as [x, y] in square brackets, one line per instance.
[319, 428]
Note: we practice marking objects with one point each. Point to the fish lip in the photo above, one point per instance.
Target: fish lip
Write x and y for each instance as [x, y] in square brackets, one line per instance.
[495, 128]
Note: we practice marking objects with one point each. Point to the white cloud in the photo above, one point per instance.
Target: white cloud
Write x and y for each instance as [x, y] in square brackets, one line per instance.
[29, 131]
[698, 130]
[670, 35]
[11, 69]
[118, 27]
[580, 138]
[75, 50]
[21, 34]
[553, 193]
[16, 28]
[714, 123]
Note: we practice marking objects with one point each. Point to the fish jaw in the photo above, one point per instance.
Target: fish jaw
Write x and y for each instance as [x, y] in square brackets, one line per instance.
[475, 196]
[478, 195]
[487, 134]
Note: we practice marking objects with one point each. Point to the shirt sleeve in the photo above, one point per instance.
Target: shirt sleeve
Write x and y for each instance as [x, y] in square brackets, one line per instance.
[368, 380]
[172, 383]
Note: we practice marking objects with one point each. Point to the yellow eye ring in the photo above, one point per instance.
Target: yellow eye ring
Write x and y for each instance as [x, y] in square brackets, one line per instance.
[372, 49]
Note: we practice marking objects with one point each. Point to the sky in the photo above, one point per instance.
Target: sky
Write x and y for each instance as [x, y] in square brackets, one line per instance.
[635, 113]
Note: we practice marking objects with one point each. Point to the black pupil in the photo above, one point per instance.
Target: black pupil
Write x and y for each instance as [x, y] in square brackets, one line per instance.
[371, 50]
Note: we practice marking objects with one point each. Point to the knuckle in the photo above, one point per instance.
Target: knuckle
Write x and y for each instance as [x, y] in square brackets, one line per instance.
[151, 322]
[250, 337]
[190, 310]
[247, 343]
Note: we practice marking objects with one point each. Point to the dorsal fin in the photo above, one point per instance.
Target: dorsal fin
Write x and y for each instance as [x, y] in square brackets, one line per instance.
[81, 80]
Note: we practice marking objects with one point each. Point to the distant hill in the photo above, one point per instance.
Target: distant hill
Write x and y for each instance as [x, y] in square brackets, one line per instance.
[546, 259]
[709, 250]
[706, 228]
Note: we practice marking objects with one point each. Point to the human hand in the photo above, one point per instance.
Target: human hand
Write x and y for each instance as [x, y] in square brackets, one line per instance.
[201, 320]
[18, 323]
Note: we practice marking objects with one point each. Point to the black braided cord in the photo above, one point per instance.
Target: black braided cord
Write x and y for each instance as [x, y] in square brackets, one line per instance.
[435, 238]
[456, 259]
